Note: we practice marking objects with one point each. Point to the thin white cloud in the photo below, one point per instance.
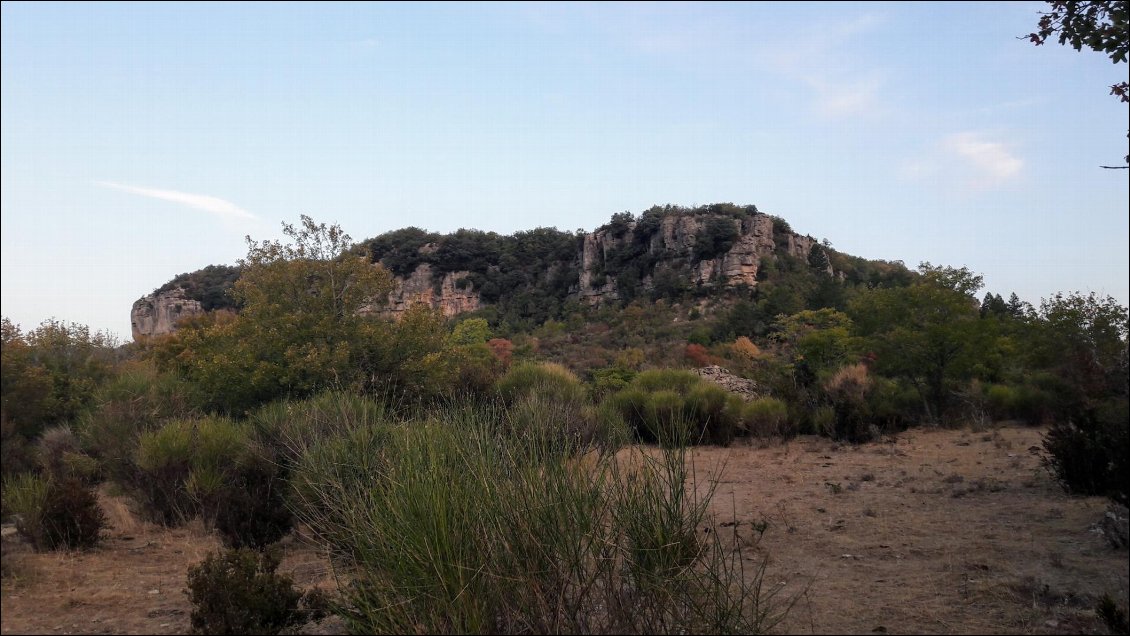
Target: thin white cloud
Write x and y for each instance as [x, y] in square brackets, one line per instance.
[224, 209]
[823, 58]
[846, 99]
[990, 161]
[964, 161]
[367, 43]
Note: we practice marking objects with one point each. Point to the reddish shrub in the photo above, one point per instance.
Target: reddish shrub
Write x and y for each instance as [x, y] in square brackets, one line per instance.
[698, 355]
[502, 349]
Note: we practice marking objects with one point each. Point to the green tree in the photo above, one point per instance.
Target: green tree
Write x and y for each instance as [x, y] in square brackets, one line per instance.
[471, 331]
[1083, 339]
[717, 237]
[1100, 26]
[929, 333]
[301, 326]
[819, 340]
[25, 387]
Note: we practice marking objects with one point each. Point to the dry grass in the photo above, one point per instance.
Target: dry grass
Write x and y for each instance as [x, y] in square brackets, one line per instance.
[897, 547]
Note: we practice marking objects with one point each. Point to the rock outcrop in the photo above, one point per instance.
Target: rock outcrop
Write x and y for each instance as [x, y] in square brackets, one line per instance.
[675, 242]
[732, 383]
[158, 314]
[452, 295]
[629, 252]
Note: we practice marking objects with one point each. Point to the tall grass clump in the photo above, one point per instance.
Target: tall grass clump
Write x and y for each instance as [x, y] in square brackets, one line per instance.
[447, 525]
[291, 427]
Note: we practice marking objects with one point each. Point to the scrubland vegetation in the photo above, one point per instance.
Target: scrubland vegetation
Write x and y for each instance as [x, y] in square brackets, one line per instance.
[514, 470]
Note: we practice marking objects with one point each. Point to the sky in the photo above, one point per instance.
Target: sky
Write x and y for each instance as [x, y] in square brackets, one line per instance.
[140, 141]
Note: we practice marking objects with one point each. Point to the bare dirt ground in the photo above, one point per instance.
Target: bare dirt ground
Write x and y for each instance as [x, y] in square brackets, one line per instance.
[934, 531]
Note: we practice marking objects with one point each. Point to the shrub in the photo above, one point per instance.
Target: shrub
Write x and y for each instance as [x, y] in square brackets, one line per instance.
[251, 508]
[743, 347]
[24, 497]
[1090, 455]
[698, 355]
[1001, 400]
[824, 421]
[715, 411]
[456, 530]
[290, 428]
[16, 454]
[1112, 615]
[213, 467]
[239, 592]
[666, 379]
[543, 424]
[337, 471]
[164, 460]
[136, 401]
[54, 514]
[848, 389]
[548, 407]
[631, 405]
[546, 379]
[766, 417]
[671, 406]
[611, 379]
[71, 516]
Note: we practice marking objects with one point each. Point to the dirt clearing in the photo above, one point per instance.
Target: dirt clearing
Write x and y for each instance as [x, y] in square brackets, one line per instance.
[933, 531]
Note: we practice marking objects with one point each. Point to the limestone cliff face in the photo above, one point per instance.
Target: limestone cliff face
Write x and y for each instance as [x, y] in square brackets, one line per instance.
[157, 314]
[669, 246]
[673, 245]
[421, 288]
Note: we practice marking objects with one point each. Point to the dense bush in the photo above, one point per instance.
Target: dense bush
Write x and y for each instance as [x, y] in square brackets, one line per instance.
[212, 467]
[288, 428]
[339, 470]
[1091, 454]
[548, 408]
[672, 407]
[848, 390]
[766, 417]
[135, 401]
[240, 592]
[54, 514]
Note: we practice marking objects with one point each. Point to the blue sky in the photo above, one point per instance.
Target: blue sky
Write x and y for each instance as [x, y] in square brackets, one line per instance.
[140, 141]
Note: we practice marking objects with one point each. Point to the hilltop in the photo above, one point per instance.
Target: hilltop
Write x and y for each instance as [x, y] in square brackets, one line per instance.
[699, 258]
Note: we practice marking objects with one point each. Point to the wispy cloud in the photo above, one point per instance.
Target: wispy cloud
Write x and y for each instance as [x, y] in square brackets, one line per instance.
[366, 43]
[970, 160]
[225, 210]
[823, 58]
[991, 161]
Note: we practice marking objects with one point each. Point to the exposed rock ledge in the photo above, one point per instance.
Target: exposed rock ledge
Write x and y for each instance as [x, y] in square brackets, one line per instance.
[158, 314]
[748, 389]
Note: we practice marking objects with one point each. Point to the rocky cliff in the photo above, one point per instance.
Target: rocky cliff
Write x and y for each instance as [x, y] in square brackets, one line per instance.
[661, 252]
[157, 314]
[675, 246]
[421, 288]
